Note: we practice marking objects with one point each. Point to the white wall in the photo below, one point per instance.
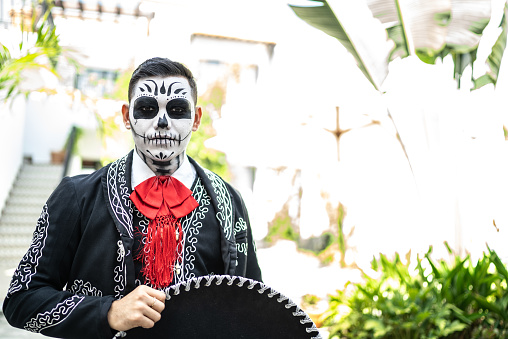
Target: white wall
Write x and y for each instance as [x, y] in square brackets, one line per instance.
[12, 116]
[47, 125]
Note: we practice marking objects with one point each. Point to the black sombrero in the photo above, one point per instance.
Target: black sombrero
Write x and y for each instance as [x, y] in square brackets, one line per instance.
[223, 306]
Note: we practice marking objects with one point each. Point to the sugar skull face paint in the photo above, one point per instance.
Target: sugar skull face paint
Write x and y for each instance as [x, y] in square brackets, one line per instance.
[162, 117]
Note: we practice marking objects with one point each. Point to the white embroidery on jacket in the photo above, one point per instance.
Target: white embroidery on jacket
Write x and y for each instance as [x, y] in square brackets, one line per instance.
[82, 288]
[143, 224]
[28, 265]
[241, 225]
[120, 270]
[191, 226]
[118, 194]
[51, 318]
[224, 204]
[242, 248]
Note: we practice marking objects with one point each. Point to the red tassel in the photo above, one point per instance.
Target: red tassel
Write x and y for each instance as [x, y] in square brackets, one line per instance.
[160, 252]
[163, 200]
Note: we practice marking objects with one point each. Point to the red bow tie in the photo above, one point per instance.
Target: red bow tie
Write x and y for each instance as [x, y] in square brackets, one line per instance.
[163, 200]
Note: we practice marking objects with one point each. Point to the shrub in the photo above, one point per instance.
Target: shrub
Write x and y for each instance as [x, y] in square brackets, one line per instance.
[427, 300]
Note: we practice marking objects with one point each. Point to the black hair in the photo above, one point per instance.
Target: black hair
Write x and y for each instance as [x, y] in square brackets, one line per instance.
[162, 67]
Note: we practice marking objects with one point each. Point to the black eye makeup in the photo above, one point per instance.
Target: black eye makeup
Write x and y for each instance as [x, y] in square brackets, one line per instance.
[145, 108]
[179, 108]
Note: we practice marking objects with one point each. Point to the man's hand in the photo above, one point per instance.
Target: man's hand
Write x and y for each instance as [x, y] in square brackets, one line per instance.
[142, 307]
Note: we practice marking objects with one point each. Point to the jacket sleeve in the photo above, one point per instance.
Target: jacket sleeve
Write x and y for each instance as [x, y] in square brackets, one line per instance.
[36, 300]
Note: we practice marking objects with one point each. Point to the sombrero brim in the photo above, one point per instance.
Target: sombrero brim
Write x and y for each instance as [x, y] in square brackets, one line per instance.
[223, 306]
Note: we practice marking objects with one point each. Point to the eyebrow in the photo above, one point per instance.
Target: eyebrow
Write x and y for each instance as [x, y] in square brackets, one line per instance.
[162, 89]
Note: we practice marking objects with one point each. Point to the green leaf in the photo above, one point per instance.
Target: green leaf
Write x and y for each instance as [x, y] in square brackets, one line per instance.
[455, 326]
[435, 270]
[501, 268]
[483, 302]
[356, 29]
[460, 314]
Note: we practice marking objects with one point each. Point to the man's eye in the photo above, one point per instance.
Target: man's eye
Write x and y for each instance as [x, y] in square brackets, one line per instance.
[177, 110]
[146, 109]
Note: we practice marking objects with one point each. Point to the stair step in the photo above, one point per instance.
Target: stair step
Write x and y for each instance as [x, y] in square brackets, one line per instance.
[23, 210]
[11, 256]
[15, 241]
[27, 200]
[41, 170]
[30, 191]
[24, 216]
[26, 184]
[34, 184]
[19, 229]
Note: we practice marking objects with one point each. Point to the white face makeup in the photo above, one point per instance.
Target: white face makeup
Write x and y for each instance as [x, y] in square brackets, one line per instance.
[162, 117]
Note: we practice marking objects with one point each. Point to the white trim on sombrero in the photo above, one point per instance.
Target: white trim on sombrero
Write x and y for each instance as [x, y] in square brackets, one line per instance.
[186, 286]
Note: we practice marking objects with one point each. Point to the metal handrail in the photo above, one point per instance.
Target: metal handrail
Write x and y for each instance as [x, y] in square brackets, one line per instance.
[69, 150]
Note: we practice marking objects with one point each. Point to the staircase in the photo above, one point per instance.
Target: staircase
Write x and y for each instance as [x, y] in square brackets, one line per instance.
[33, 186]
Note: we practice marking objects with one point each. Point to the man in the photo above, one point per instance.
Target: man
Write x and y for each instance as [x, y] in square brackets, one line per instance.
[108, 244]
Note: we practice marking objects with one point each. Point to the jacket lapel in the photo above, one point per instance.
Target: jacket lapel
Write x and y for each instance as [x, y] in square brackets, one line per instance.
[116, 186]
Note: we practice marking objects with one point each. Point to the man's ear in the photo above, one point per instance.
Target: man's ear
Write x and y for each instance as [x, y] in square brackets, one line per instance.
[125, 114]
[197, 119]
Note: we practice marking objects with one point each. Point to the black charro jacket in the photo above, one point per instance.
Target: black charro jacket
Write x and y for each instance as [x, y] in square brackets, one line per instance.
[80, 259]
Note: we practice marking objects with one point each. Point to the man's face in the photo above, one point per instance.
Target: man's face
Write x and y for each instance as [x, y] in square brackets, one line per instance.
[162, 117]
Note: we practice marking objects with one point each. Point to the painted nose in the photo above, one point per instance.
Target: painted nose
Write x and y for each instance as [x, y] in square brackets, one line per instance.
[163, 122]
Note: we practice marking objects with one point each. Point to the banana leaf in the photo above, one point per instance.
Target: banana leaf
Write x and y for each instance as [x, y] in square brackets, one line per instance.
[495, 58]
[418, 26]
[427, 28]
[353, 25]
[468, 20]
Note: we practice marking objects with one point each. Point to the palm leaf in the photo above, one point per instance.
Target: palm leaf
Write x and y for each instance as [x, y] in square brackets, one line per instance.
[495, 58]
[353, 25]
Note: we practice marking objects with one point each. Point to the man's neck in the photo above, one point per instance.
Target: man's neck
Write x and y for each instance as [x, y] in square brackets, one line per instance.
[162, 167]
[185, 172]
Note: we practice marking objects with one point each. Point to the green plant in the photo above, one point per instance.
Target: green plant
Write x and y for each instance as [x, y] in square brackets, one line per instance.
[281, 228]
[39, 53]
[428, 300]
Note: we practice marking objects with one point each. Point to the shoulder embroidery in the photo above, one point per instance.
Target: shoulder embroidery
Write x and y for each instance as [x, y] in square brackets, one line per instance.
[55, 316]
[224, 203]
[118, 194]
[82, 288]
[28, 265]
